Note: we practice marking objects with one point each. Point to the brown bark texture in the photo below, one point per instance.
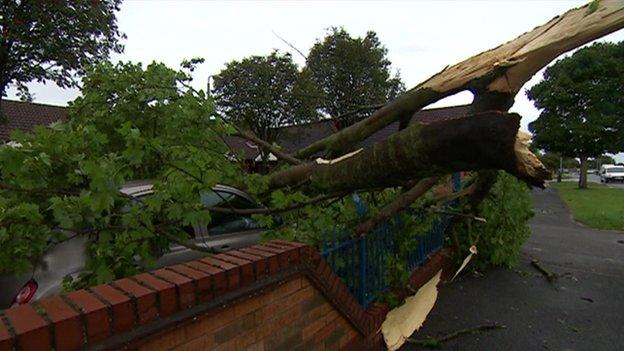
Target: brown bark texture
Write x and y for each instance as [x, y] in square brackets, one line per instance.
[582, 184]
[481, 141]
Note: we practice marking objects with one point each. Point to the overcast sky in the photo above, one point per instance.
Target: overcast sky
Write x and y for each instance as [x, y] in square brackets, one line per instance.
[422, 37]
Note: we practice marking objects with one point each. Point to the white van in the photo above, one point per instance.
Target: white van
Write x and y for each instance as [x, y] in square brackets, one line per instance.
[611, 173]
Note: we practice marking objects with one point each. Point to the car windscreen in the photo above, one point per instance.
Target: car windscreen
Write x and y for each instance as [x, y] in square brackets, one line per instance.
[222, 223]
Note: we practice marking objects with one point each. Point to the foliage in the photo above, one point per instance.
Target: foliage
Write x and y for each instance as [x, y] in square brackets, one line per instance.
[130, 123]
[53, 40]
[507, 210]
[552, 161]
[582, 103]
[599, 207]
[351, 74]
[602, 160]
[263, 93]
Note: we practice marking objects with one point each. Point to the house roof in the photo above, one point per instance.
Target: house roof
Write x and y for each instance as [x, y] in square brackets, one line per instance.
[296, 137]
[27, 115]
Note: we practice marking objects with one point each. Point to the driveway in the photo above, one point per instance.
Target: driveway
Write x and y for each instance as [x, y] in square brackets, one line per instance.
[583, 310]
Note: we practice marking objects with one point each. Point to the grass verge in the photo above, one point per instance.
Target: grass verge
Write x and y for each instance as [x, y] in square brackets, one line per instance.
[598, 206]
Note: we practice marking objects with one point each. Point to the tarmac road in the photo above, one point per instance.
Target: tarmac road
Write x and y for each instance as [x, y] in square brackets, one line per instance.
[583, 310]
[596, 179]
[593, 178]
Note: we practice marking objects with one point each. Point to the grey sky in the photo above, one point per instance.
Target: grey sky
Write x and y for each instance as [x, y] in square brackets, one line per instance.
[422, 37]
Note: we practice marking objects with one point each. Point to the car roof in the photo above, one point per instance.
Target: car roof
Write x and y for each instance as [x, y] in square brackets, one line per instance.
[138, 188]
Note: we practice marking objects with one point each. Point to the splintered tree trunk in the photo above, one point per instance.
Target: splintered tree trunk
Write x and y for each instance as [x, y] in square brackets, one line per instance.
[582, 184]
[487, 140]
[502, 70]
[482, 141]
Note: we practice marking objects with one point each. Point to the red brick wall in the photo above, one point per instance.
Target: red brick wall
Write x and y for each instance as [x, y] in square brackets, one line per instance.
[293, 316]
[277, 296]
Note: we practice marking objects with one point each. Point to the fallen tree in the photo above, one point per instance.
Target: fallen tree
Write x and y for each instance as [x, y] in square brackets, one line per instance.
[67, 179]
[488, 139]
[493, 76]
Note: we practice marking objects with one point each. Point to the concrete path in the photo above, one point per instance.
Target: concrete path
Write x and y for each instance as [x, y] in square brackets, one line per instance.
[584, 310]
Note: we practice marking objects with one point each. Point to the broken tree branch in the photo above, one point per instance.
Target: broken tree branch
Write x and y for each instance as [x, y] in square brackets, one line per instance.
[550, 276]
[480, 141]
[459, 214]
[251, 211]
[437, 342]
[502, 70]
[402, 202]
[268, 146]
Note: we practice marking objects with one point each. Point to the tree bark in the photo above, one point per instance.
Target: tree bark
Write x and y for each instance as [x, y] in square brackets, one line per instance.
[502, 70]
[480, 141]
[582, 184]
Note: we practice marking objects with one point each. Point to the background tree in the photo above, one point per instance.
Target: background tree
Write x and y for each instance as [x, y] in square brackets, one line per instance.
[54, 40]
[602, 160]
[352, 75]
[581, 99]
[262, 94]
[555, 163]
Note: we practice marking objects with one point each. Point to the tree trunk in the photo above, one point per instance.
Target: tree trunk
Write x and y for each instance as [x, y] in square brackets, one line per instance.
[583, 173]
[481, 141]
[485, 141]
[502, 70]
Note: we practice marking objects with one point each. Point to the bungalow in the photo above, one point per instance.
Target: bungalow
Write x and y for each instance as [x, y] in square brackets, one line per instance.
[26, 115]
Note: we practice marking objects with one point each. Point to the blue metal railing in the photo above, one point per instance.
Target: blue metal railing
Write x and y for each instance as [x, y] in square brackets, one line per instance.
[361, 261]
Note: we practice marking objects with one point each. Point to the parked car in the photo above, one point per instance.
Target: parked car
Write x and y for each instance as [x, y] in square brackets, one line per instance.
[68, 257]
[611, 173]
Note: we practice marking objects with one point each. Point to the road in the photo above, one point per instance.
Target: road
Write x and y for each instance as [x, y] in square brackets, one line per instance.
[583, 310]
[594, 178]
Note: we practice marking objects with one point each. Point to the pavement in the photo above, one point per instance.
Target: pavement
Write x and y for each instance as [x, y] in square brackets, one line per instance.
[582, 310]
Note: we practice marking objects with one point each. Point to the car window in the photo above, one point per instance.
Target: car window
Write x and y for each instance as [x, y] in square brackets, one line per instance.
[225, 199]
[222, 223]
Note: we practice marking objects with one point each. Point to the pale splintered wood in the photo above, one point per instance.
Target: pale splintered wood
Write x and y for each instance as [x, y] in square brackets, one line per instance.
[519, 59]
[503, 69]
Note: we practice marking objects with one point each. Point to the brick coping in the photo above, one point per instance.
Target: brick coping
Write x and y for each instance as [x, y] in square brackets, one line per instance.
[129, 309]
